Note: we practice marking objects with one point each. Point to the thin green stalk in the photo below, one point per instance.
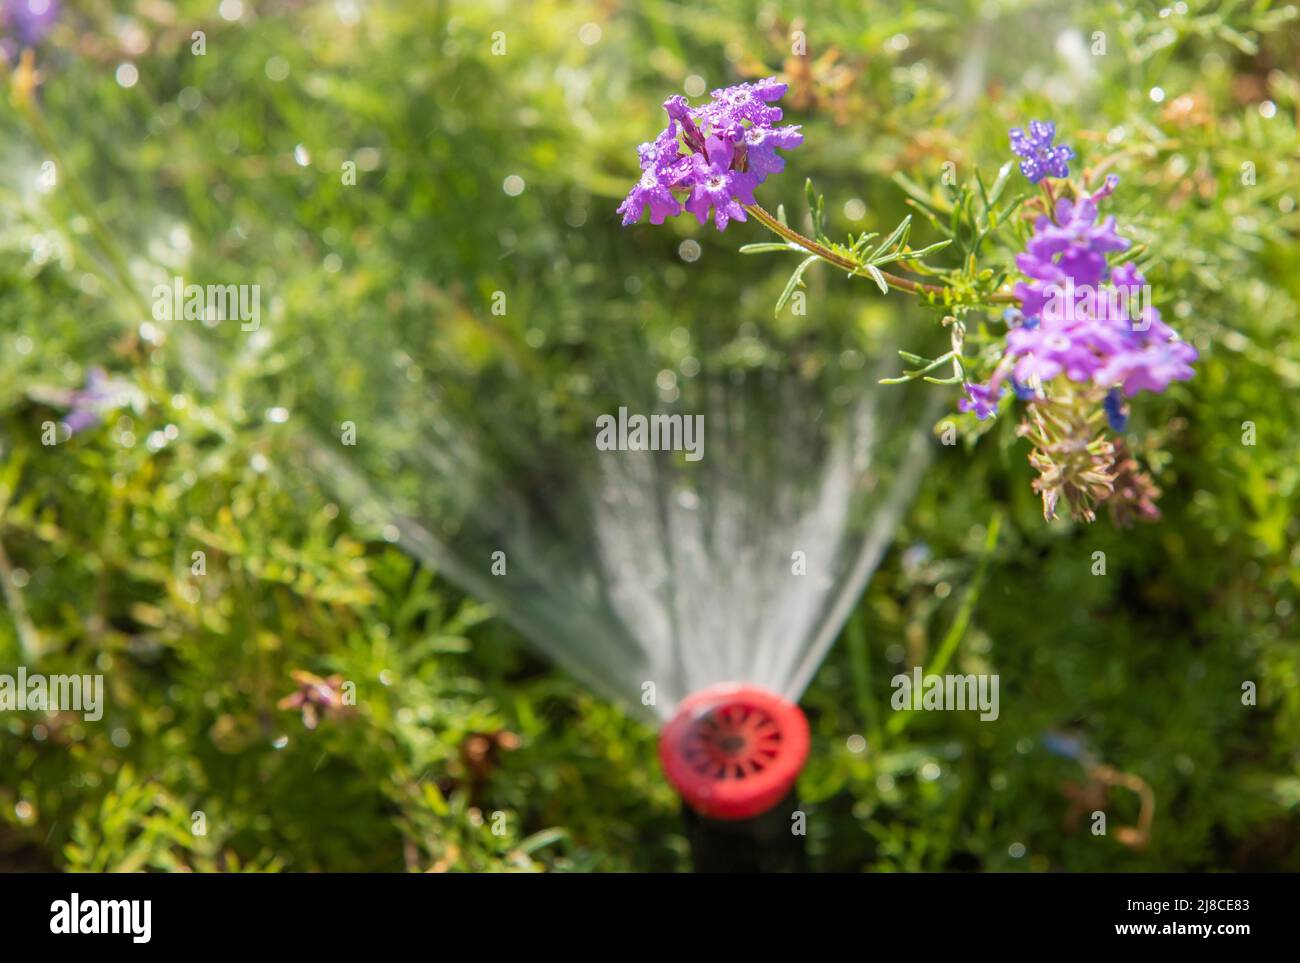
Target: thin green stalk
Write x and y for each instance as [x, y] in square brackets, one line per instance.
[860, 666]
[853, 267]
[29, 638]
[961, 622]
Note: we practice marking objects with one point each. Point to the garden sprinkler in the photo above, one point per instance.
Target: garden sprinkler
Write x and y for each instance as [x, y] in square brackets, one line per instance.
[733, 752]
[699, 593]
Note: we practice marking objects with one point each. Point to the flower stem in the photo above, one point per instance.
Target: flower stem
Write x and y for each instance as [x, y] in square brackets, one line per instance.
[848, 264]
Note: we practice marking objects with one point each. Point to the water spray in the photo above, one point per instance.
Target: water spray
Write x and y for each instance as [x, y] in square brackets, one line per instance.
[698, 586]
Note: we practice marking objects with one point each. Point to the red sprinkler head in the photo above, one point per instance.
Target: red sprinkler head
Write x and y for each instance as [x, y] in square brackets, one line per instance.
[734, 751]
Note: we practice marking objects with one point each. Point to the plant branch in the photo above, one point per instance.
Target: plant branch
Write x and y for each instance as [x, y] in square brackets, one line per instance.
[848, 264]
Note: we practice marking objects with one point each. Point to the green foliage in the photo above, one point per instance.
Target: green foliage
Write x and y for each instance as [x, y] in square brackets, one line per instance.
[98, 533]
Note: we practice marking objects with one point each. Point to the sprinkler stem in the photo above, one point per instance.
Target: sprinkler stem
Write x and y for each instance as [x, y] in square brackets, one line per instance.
[734, 751]
[764, 844]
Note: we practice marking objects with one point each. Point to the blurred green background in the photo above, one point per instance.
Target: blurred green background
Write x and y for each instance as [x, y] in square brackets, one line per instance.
[228, 165]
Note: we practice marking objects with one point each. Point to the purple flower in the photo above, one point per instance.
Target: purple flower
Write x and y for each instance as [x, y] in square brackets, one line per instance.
[680, 112]
[1085, 320]
[28, 20]
[732, 146]
[715, 184]
[1127, 276]
[1107, 188]
[761, 144]
[1042, 353]
[1151, 367]
[981, 399]
[101, 394]
[1040, 157]
[1074, 246]
[746, 102]
[650, 190]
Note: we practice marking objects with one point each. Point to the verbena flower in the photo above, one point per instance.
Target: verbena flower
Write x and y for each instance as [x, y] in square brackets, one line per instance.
[1079, 319]
[1082, 341]
[981, 399]
[716, 184]
[26, 22]
[732, 146]
[1040, 157]
[102, 394]
[1073, 246]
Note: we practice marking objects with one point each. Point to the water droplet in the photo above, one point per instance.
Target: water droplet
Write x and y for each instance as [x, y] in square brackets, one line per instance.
[277, 68]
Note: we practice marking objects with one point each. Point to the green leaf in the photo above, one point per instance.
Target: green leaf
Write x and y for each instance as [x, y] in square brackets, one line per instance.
[542, 839]
[929, 249]
[796, 281]
[816, 208]
[1239, 40]
[920, 195]
[766, 247]
[1000, 183]
[929, 216]
[896, 239]
[913, 375]
[878, 278]
[862, 240]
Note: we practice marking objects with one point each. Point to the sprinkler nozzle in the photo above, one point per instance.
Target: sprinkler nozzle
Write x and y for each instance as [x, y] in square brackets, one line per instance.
[734, 751]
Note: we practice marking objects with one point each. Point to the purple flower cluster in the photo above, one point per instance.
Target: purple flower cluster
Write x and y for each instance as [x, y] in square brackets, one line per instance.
[27, 21]
[730, 146]
[1080, 317]
[1040, 157]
